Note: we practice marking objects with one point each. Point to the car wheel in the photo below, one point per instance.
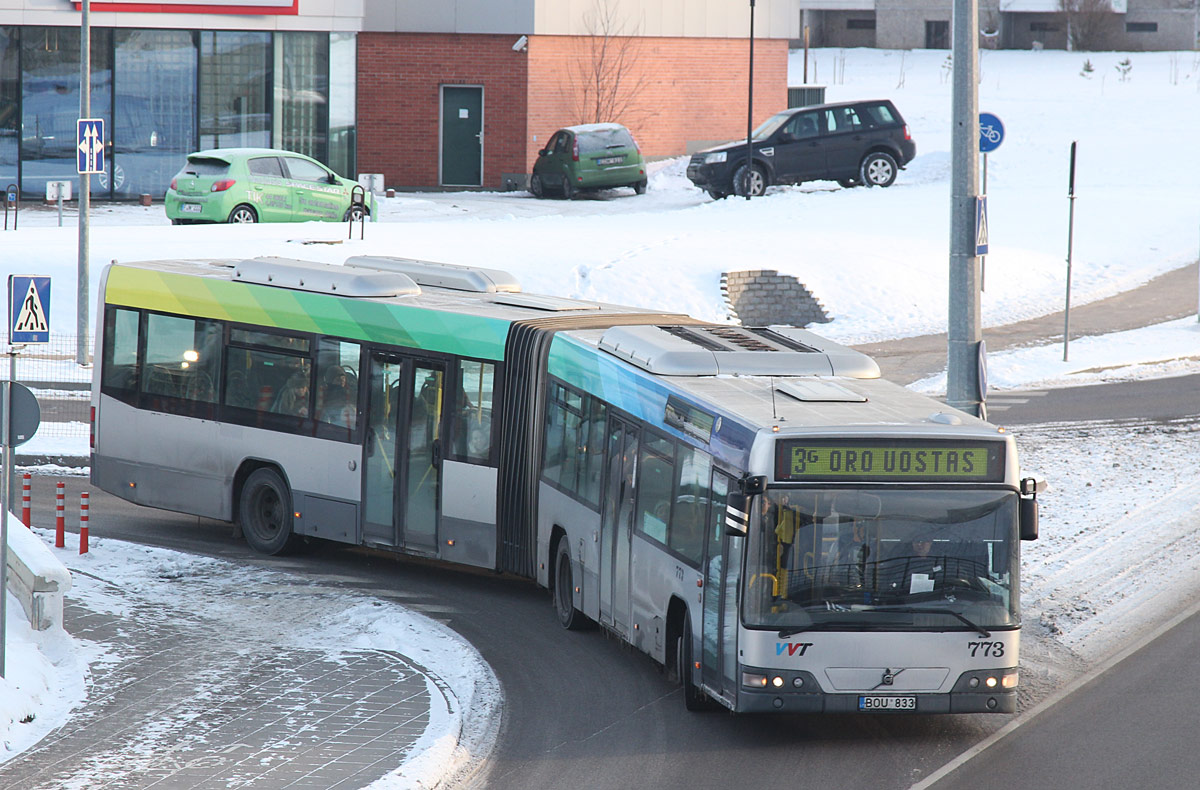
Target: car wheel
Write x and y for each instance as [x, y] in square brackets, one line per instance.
[568, 188]
[878, 169]
[640, 187]
[754, 183]
[355, 213]
[537, 187]
[717, 194]
[265, 512]
[243, 213]
[849, 183]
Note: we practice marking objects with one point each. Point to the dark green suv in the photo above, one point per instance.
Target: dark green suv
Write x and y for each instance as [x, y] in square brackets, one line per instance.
[591, 156]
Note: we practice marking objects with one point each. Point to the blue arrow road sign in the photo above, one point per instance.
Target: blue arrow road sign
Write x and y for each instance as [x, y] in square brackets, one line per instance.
[90, 145]
[991, 132]
[28, 309]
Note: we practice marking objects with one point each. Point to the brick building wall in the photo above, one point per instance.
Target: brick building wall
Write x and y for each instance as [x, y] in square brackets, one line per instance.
[692, 90]
[399, 102]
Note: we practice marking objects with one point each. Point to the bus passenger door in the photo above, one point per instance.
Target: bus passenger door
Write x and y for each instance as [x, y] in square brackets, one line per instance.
[380, 472]
[723, 567]
[402, 459]
[423, 463]
[617, 526]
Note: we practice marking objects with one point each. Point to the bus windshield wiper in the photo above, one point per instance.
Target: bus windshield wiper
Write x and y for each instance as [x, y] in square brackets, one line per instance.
[784, 633]
[927, 610]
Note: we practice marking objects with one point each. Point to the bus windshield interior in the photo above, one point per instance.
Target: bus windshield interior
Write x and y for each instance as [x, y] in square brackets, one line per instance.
[882, 559]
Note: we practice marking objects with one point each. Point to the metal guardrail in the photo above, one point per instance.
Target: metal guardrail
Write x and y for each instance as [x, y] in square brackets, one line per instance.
[62, 387]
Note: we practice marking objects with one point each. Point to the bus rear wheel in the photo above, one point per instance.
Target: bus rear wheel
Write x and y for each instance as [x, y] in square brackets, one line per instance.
[265, 512]
[569, 617]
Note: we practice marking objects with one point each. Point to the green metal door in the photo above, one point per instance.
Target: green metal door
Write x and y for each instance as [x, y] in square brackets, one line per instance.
[462, 136]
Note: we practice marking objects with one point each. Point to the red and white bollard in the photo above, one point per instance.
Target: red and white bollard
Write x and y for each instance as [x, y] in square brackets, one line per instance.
[83, 522]
[59, 514]
[26, 484]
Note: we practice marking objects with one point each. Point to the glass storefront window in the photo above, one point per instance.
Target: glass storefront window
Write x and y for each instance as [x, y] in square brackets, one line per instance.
[10, 94]
[343, 77]
[234, 84]
[301, 112]
[50, 105]
[154, 126]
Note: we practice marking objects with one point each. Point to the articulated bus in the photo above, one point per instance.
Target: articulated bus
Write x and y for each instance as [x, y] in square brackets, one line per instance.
[754, 508]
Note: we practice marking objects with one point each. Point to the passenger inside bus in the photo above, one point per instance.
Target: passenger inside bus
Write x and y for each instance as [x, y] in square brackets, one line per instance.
[293, 399]
[337, 402]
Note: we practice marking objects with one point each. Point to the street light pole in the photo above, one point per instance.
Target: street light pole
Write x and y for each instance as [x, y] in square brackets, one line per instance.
[964, 330]
[750, 113]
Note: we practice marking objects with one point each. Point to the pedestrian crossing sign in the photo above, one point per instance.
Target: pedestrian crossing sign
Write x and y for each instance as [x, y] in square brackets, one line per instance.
[28, 309]
[981, 225]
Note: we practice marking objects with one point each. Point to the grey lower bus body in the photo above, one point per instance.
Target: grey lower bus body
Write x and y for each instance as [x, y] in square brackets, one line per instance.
[325, 486]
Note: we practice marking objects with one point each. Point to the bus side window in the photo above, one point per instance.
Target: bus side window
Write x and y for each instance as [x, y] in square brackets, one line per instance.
[337, 383]
[686, 534]
[120, 354]
[472, 415]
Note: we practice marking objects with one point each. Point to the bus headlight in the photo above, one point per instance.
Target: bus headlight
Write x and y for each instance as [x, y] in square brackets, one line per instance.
[777, 682]
[1009, 681]
[752, 680]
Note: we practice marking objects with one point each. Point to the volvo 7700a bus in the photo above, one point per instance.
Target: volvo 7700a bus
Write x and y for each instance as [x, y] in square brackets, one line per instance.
[754, 508]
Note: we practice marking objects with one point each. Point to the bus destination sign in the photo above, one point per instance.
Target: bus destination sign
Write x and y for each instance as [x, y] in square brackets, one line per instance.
[934, 461]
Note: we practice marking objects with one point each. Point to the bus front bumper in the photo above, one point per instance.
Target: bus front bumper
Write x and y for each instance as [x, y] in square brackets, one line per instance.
[809, 698]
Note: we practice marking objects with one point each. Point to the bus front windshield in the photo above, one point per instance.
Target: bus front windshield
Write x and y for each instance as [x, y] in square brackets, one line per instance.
[882, 559]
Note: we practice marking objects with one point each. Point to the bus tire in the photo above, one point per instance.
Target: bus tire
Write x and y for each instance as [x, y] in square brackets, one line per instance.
[265, 512]
[569, 617]
[693, 698]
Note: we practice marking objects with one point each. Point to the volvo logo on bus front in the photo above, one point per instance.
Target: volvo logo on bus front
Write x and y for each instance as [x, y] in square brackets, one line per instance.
[889, 677]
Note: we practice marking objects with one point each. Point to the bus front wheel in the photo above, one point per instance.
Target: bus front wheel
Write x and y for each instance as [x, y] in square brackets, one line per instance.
[265, 512]
[564, 600]
[693, 698]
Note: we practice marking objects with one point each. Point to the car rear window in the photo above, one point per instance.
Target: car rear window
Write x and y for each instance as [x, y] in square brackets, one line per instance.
[879, 115]
[201, 166]
[602, 139]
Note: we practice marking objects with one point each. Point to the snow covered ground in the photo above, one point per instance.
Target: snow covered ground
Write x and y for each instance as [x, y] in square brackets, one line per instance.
[1121, 521]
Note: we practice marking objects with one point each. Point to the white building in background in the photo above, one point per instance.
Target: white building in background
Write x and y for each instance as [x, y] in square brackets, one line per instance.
[1121, 25]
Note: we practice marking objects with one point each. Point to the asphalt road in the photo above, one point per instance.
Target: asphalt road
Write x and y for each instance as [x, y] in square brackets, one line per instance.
[1151, 400]
[1131, 726]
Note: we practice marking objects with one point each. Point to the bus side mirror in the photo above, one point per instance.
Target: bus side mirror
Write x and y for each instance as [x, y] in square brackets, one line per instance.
[737, 514]
[753, 485]
[1030, 488]
[1029, 518]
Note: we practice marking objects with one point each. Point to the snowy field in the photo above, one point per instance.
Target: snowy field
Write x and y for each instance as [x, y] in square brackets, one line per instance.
[1121, 521]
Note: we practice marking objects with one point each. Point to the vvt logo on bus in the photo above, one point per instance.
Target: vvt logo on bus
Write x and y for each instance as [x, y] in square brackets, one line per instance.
[792, 648]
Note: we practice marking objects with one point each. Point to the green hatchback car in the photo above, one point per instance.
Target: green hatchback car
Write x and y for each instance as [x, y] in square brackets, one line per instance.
[590, 156]
[260, 185]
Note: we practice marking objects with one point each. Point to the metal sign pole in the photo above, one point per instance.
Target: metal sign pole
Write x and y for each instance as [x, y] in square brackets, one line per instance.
[5, 498]
[85, 189]
[1070, 244]
[749, 113]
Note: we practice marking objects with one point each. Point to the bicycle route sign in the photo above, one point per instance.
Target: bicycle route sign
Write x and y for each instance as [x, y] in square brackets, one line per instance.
[991, 132]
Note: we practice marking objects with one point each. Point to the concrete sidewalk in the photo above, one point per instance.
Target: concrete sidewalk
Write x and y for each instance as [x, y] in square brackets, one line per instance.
[1168, 297]
[212, 692]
